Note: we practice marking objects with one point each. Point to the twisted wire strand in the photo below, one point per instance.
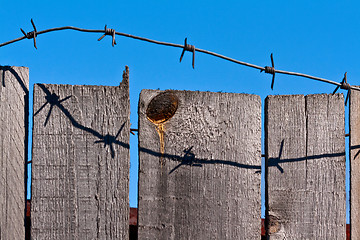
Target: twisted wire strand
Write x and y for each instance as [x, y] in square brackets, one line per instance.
[182, 46]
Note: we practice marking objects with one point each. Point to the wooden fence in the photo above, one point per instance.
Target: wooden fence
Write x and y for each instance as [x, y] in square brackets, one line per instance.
[200, 163]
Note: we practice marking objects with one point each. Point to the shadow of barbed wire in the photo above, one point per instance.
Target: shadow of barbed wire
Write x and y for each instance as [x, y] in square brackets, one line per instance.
[190, 159]
[54, 100]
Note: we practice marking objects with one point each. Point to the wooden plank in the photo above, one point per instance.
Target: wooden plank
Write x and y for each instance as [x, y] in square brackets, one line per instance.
[14, 100]
[305, 145]
[80, 164]
[285, 139]
[354, 125]
[326, 145]
[202, 181]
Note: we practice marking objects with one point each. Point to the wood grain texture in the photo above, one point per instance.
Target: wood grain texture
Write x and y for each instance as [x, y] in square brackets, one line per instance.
[354, 126]
[206, 183]
[14, 98]
[305, 146]
[80, 164]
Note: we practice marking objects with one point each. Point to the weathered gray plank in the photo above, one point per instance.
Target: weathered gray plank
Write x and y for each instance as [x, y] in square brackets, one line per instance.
[305, 145]
[285, 124]
[14, 99]
[80, 162]
[205, 184]
[354, 126]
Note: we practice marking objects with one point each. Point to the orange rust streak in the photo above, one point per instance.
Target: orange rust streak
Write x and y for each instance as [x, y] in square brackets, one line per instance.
[160, 129]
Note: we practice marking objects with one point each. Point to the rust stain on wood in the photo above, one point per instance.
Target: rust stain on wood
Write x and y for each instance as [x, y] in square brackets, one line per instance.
[160, 109]
[160, 130]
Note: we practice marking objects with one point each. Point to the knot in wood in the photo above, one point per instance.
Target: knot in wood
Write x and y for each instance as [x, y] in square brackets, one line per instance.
[162, 107]
[273, 224]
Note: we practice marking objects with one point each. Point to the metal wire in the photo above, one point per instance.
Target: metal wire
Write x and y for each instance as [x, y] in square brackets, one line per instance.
[185, 47]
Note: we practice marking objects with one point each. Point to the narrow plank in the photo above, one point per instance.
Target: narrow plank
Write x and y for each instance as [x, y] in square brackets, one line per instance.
[326, 145]
[80, 162]
[305, 145]
[204, 181]
[285, 139]
[354, 142]
[14, 100]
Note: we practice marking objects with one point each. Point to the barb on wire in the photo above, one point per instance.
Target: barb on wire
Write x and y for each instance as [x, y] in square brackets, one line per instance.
[31, 34]
[190, 48]
[344, 85]
[185, 47]
[110, 32]
[132, 130]
[270, 70]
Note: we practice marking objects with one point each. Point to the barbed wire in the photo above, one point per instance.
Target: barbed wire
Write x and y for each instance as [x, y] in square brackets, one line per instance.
[186, 47]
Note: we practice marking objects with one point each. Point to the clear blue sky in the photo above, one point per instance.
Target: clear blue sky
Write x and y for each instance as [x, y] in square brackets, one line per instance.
[320, 38]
